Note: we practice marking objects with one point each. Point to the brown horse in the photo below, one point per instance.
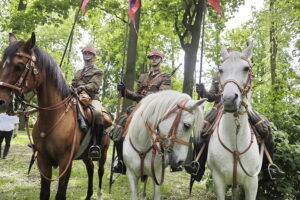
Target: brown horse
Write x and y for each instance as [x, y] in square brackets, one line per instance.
[56, 134]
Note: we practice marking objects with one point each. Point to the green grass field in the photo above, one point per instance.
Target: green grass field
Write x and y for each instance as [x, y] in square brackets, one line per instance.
[16, 184]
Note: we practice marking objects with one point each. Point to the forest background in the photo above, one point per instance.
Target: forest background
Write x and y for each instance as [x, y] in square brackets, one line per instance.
[174, 27]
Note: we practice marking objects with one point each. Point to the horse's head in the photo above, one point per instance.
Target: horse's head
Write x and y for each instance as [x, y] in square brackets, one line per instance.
[177, 142]
[235, 77]
[18, 71]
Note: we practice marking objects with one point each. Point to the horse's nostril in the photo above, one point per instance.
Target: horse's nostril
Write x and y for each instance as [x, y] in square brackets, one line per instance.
[2, 102]
[235, 97]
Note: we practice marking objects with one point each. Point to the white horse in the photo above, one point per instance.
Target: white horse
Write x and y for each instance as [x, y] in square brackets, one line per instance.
[158, 135]
[233, 153]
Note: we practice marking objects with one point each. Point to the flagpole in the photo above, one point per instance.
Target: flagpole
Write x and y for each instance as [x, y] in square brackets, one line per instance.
[71, 34]
[202, 43]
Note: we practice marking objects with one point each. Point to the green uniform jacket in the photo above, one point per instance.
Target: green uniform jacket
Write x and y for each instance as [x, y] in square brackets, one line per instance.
[90, 80]
[149, 83]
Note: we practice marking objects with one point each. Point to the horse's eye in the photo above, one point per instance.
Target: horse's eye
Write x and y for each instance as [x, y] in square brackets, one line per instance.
[186, 125]
[246, 68]
[220, 71]
[19, 67]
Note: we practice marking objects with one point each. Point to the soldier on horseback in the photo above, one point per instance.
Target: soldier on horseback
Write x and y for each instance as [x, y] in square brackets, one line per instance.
[148, 83]
[87, 83]
[259, 123]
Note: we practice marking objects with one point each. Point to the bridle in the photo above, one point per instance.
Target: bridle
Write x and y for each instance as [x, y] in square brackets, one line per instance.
[243, 89]
[166, 143]
[236, 153]
[17, 92]
[29, 68]
[248, 86]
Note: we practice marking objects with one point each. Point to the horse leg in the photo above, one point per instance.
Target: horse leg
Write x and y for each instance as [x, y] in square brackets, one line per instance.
[63, 181]
[156, 191]
[90, 171]
[46, 169]
[105, 146]
[145, 189]
[133, 180]
[220, 186]
[250, 188]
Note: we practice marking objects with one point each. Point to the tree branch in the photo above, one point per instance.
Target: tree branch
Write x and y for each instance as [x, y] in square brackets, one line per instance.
[120, 18]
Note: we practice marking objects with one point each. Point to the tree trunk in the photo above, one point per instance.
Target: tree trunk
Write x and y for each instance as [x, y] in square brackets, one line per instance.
[21, 7]
[273, 56]
[129, 76]
[189, 40]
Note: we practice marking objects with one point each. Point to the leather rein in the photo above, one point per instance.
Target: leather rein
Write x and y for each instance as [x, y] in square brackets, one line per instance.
[17, 90]
[166, 143]
[244, 91]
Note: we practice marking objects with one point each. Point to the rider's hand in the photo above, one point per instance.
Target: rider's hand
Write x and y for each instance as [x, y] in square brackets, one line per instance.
[121, 88]
[200, 89]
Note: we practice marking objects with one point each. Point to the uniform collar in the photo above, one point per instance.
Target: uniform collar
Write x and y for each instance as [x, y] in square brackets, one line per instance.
[153, 73]
[86, 68]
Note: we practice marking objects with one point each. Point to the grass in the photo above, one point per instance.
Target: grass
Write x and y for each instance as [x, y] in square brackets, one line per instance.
[15, 184]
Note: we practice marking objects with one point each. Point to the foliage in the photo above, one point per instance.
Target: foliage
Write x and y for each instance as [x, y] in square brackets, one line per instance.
[104, 28]
[287, 157]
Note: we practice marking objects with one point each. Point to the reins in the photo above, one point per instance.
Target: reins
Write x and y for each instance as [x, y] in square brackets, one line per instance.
[157, 139]
[236, 153]
[30, 67]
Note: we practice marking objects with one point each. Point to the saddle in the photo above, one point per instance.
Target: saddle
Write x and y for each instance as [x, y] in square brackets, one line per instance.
[85, 115]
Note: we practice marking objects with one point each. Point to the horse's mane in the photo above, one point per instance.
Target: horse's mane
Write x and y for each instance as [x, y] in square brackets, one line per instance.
[155, 106]
[46, 63]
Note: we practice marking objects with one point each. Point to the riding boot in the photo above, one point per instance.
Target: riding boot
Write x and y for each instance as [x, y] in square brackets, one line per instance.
[271, 171]
[119, 166]
[95, 150]
[197, 168]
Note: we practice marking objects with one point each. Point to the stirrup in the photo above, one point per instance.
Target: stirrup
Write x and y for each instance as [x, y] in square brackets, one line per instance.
[273, 166]
[195, 165]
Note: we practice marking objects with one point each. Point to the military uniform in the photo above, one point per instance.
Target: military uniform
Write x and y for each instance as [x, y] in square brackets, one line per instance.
[89, 80]
[149, 83]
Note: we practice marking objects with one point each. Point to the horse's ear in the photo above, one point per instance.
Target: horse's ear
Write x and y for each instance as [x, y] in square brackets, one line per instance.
[198, 103]
[247, 53]
[224, 53]
[30, 43]
[12, 38]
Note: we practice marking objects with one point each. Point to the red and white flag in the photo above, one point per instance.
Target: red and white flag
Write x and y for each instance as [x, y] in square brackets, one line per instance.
[133, 6]
[83, 5]
[216, 5]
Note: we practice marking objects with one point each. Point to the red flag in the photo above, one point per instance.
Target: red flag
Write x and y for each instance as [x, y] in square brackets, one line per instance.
[83, 5]
[133, 6]
[216, 5]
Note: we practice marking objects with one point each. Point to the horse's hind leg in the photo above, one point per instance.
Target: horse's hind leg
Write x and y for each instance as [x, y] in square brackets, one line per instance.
[63, 182]
[220, 186]
[105, 146]
[90, 171]
[133, 180]
[250, 188]
[45, 168]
